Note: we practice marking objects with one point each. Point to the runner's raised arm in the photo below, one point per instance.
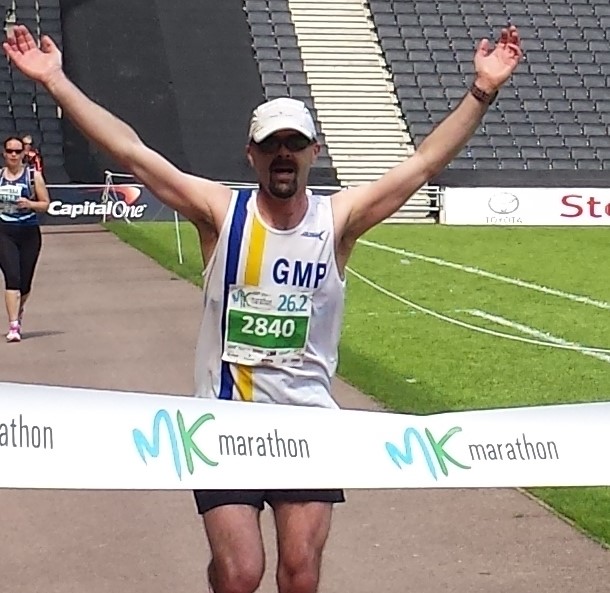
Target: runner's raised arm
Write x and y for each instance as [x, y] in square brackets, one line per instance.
[196, 198]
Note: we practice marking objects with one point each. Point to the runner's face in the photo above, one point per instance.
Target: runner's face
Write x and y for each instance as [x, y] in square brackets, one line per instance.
[13, 152]
[282, 162]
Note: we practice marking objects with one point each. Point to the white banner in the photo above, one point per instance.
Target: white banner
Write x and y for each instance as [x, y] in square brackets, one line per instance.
[61, 438]
[526, 206]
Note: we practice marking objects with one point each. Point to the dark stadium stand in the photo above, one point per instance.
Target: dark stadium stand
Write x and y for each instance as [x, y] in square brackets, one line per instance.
[281, 68]
[194, 92]
[552, 118]
[555, 113]
[182, 74]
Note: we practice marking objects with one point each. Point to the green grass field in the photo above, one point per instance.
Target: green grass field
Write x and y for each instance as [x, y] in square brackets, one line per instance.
[414, 362]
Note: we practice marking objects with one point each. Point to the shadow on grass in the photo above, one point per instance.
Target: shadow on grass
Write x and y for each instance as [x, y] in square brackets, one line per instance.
[392, 392]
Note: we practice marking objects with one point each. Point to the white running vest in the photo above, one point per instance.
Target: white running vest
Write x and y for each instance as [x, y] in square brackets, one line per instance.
[272, 309]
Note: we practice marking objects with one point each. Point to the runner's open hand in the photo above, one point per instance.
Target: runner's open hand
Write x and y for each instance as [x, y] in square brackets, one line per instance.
[494, 67]
[38, 63]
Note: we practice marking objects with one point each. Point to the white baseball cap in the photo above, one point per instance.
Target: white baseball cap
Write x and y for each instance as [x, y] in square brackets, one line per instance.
[281, 114]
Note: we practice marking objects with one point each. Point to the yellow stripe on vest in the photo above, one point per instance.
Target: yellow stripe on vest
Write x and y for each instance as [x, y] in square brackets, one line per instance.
[256, 247]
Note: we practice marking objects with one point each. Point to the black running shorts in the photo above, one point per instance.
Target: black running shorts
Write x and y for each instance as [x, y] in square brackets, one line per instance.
[209, 499]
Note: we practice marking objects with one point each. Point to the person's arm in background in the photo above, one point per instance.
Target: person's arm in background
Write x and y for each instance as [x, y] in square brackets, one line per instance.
[37, 161]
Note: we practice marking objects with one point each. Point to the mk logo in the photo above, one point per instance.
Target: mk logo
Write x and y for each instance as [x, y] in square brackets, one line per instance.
[187, 438]
[405, 455]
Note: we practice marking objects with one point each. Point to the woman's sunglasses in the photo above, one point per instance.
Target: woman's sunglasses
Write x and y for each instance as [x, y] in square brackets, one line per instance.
[294, 143]
[13, 150]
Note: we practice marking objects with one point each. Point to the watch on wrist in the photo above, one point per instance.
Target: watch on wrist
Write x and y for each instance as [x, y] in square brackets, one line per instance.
[482, 96]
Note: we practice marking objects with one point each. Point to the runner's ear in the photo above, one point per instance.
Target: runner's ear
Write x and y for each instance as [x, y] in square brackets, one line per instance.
[249, 156]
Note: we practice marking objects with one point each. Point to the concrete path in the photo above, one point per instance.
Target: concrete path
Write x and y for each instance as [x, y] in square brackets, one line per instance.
[105, 316]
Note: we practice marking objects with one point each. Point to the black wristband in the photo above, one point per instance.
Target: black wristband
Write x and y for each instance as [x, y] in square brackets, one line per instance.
[482, 96]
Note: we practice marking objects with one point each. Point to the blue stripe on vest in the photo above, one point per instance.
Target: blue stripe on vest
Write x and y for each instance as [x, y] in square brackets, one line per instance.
[236, 234]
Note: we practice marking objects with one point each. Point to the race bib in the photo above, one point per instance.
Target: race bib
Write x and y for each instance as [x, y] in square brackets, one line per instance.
[266, 326]
[9, 194]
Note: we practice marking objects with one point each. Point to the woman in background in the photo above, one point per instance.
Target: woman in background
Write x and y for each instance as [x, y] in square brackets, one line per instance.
[22, 197]
[31, 155]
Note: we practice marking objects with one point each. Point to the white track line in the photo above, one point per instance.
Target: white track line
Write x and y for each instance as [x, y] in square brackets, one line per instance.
[471, 270]
[475, 328]
[530, 331]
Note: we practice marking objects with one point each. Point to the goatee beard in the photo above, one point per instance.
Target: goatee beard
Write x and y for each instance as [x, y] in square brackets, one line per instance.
[283, 191]
[287, 188]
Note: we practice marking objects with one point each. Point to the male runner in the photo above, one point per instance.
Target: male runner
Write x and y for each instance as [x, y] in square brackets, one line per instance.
[290, 248]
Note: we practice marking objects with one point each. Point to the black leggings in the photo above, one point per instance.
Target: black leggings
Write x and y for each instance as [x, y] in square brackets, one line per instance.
[19, 250]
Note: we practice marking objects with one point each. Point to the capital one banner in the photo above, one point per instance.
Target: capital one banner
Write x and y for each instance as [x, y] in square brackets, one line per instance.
[67, 438]
[91, 204]
[488, 206]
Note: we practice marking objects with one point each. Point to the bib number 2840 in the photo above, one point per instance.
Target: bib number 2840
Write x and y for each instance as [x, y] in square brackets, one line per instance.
[263, 326]
[267, 330]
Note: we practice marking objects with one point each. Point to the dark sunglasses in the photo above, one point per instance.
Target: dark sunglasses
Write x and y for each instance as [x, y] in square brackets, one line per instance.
[13, 150]
[294, 143]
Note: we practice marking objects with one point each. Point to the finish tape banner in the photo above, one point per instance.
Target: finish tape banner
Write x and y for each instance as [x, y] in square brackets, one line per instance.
[65, 438]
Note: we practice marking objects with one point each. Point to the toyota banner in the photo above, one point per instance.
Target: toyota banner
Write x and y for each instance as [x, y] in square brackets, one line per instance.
[480, 206]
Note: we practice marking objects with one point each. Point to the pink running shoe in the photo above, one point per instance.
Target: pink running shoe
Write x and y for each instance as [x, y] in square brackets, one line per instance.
[14, 332]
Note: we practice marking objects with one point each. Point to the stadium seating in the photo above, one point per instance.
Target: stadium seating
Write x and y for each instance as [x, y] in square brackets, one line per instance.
[281, 68]
[554, 114]
[26, 108]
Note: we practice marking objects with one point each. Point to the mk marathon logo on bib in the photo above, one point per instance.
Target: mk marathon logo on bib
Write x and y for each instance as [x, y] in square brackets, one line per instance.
[266, 326]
